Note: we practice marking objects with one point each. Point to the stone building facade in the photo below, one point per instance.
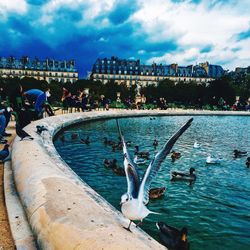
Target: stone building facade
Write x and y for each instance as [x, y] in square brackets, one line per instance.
[48, 69]
[133, 72]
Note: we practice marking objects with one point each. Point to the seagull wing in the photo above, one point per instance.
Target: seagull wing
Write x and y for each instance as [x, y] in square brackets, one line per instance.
[155, 164]
[133, 181]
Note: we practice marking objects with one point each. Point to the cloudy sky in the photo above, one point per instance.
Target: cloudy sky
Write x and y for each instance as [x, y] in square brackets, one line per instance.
[161, 31]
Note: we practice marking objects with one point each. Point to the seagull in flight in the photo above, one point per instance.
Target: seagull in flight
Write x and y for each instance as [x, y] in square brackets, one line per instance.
[133, 202]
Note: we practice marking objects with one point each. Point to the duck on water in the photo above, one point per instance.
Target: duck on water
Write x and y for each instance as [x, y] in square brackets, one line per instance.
[173, 238]
[179, 176]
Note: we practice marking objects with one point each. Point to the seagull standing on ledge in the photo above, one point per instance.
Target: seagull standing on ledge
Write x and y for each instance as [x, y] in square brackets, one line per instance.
[133, 202]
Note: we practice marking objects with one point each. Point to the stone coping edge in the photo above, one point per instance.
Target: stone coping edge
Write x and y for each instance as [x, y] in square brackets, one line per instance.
[20, 229]
[62, 210]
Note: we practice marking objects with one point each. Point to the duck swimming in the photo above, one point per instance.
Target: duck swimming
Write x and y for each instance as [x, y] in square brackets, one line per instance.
[178, 176]
[139, 161]
[175, 156]
[173, 238]
[155, 143]
[141, 154]
[62, 138]
[86, 140]
[106, 163]
[156, 193]
[117, 146]
[108, 142]
[211, 160]
[238, 153]
[110, 163]
[248, 162]
[119, 171]
[74, 136]
[196, 145]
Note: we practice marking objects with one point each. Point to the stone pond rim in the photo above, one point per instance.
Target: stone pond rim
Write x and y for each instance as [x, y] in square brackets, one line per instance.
[62, 210]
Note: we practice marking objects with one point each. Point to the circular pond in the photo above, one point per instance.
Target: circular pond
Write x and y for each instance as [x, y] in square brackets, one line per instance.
[215, 209]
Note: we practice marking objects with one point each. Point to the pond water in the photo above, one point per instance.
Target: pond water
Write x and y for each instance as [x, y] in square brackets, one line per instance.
[215, 209]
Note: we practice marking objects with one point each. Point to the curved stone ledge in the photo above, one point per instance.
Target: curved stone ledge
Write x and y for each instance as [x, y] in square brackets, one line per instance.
[63, 211]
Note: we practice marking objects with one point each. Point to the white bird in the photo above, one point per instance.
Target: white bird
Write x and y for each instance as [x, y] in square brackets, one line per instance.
[211, 160]
[133, 202]
[139, 161]
[197, 145]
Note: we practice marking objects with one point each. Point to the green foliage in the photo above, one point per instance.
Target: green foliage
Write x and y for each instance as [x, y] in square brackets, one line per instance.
[182, 94]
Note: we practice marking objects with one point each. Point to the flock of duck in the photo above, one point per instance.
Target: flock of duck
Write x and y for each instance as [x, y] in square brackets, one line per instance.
[134, 201]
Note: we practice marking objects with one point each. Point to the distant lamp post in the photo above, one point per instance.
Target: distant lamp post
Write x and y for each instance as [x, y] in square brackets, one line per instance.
[118, 95]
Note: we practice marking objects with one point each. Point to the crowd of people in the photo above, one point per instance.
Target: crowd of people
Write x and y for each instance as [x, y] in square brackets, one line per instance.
[83, 101]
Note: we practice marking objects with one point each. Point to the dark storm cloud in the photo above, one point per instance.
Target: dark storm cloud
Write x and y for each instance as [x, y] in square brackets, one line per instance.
[85, 30]
[207, 48]
[122, 11]
[243, 35]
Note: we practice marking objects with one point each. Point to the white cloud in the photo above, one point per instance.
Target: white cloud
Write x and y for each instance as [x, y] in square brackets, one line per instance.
[210, 23]
[90, 9]
[102, 39]
[12, 6]
[193, 26]
[141, 52]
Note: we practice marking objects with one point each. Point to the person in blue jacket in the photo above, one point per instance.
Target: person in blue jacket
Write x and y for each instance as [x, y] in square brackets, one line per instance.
[39, 98]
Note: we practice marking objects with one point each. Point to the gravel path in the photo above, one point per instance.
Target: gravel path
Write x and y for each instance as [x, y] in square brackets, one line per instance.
[6, 241]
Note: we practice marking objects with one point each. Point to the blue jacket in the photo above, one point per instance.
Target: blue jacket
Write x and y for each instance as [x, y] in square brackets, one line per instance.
[38, 96]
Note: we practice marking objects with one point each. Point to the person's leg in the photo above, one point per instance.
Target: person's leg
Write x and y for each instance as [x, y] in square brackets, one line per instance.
[49, 110]
[2, 127]
[2, 123]
[7, 116]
